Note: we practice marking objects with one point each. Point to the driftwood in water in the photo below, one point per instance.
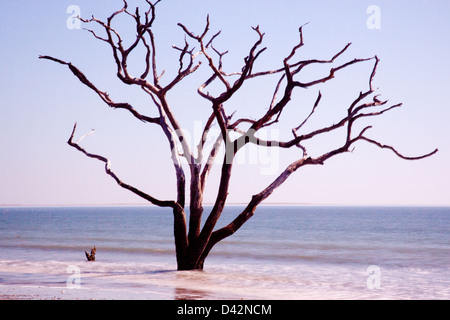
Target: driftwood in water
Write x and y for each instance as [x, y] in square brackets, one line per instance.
[91, 257]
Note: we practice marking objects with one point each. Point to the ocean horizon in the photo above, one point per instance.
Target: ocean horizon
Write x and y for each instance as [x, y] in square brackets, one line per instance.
[283, 252]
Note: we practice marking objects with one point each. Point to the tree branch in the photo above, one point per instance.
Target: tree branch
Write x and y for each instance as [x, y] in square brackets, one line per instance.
[203, 50]
[155, 201]
[383, 146]
[172, 139]
[103, 95]
[209, 163]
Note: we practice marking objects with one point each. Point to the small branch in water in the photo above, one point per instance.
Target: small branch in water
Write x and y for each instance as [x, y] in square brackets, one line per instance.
[91, 257]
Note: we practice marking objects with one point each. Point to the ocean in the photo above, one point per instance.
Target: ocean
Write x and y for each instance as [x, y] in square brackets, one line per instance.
[282, 252]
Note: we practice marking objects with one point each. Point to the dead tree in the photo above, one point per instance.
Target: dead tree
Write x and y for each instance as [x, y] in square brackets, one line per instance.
[194, 242]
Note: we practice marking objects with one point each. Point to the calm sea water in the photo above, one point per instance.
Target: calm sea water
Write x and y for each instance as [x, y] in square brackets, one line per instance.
[281, 253]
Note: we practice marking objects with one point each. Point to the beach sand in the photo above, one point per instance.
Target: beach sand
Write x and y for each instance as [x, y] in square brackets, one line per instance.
[60, 293]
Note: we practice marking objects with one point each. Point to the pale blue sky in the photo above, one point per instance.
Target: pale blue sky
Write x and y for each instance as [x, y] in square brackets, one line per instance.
[40, 101]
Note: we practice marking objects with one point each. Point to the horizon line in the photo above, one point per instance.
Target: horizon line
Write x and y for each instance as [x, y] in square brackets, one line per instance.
[17, 205]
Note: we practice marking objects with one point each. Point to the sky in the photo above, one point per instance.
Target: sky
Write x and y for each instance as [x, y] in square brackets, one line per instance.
[41, 101]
